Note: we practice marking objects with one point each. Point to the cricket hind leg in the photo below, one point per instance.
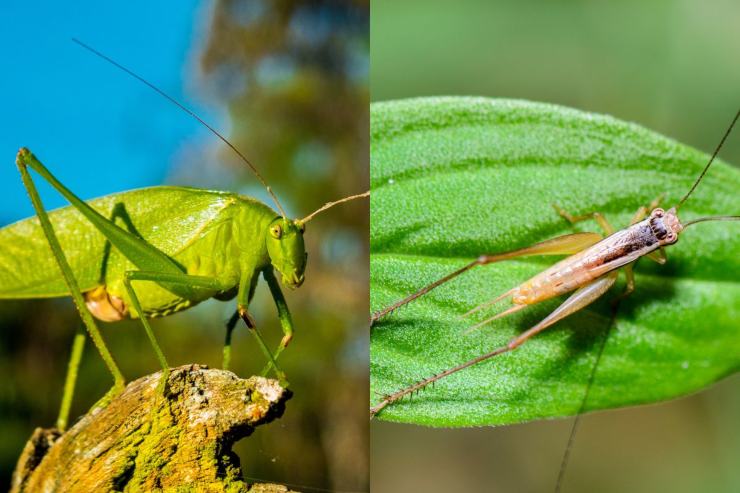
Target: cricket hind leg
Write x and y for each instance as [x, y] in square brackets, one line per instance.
[561, 245]
[22, 162]
[578, 300]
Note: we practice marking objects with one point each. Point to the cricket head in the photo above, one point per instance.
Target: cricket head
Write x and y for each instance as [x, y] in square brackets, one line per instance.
[287, 251]
[665, 225]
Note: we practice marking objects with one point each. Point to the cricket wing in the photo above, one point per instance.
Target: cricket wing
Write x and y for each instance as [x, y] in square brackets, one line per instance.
[167, 217]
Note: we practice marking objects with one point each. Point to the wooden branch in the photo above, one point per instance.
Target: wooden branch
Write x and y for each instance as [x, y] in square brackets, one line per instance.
[145, 441]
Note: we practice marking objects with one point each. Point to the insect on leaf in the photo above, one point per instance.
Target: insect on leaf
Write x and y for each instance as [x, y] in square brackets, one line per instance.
[453, 178]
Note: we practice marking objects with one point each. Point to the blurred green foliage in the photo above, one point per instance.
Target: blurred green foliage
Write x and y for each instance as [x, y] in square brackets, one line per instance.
[294, 76]
[670, 66]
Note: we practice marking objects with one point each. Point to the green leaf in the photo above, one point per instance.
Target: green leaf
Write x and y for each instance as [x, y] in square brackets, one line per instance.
[453, 178]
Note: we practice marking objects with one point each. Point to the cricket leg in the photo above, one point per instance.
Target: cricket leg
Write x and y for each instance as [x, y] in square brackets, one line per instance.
[69, 279]
[561, 245]
[578, 300]
[658, 256]
[70, 381]
[597, 216]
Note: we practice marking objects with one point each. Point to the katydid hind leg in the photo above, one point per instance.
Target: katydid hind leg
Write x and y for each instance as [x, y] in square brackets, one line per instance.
[561, 245]
[142, 254]
[578, 300]
[68, 276]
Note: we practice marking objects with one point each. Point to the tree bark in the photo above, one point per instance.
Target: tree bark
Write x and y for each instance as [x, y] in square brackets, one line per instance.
[145, 440]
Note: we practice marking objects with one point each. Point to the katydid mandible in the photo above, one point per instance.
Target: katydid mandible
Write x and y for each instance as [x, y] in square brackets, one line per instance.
[590, 270]
[118, 260]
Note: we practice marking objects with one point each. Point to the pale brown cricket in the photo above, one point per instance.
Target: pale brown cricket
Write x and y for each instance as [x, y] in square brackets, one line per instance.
[590, 270]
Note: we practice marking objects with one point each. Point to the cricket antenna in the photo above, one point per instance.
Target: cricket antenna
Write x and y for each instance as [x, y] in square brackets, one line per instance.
[189, 112]
[711, 218]
[716, 151]
[329, 205]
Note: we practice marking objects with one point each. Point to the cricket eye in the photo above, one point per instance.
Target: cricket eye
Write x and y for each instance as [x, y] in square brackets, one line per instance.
[276, 231]
[671, 237]
[658, 212]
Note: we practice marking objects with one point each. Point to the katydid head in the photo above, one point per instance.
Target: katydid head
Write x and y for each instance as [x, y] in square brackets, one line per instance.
[287, 251]
[285, 243]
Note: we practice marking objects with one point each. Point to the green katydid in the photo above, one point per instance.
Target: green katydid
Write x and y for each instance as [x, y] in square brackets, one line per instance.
[153, 252]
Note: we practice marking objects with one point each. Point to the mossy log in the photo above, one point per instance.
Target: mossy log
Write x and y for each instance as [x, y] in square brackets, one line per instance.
[144, 440]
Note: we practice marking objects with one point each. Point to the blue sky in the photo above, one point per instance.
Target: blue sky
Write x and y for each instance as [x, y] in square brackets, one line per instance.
[96, 128]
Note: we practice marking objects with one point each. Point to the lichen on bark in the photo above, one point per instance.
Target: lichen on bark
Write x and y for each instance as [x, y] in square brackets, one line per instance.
[146, 440]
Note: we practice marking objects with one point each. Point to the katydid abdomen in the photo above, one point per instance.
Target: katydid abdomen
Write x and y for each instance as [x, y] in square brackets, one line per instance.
[205, 232]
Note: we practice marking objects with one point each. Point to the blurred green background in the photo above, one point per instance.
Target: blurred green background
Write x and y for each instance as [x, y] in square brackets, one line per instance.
[671, 66]
[293, 77]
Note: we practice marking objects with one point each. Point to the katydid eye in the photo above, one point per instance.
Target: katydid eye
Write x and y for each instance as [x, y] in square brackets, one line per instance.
[276, 231]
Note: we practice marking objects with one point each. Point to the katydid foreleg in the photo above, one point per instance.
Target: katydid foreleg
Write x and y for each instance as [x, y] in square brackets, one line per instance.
[286, 322]
[247, 285]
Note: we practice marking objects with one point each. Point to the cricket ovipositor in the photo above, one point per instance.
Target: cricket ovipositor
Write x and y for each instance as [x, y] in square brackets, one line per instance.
[591, 271]
[117, 259]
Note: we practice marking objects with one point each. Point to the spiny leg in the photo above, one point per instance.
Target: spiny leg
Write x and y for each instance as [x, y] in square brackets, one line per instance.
[286, 322]
[578, 300]
[561, 245]
[68, 275]
[70, 380]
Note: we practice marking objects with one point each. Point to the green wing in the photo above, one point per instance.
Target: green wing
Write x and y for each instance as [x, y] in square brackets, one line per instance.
[167, 217]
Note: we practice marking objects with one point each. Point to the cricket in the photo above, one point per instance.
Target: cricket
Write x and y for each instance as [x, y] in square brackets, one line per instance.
[118, 258]
[590, 270]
